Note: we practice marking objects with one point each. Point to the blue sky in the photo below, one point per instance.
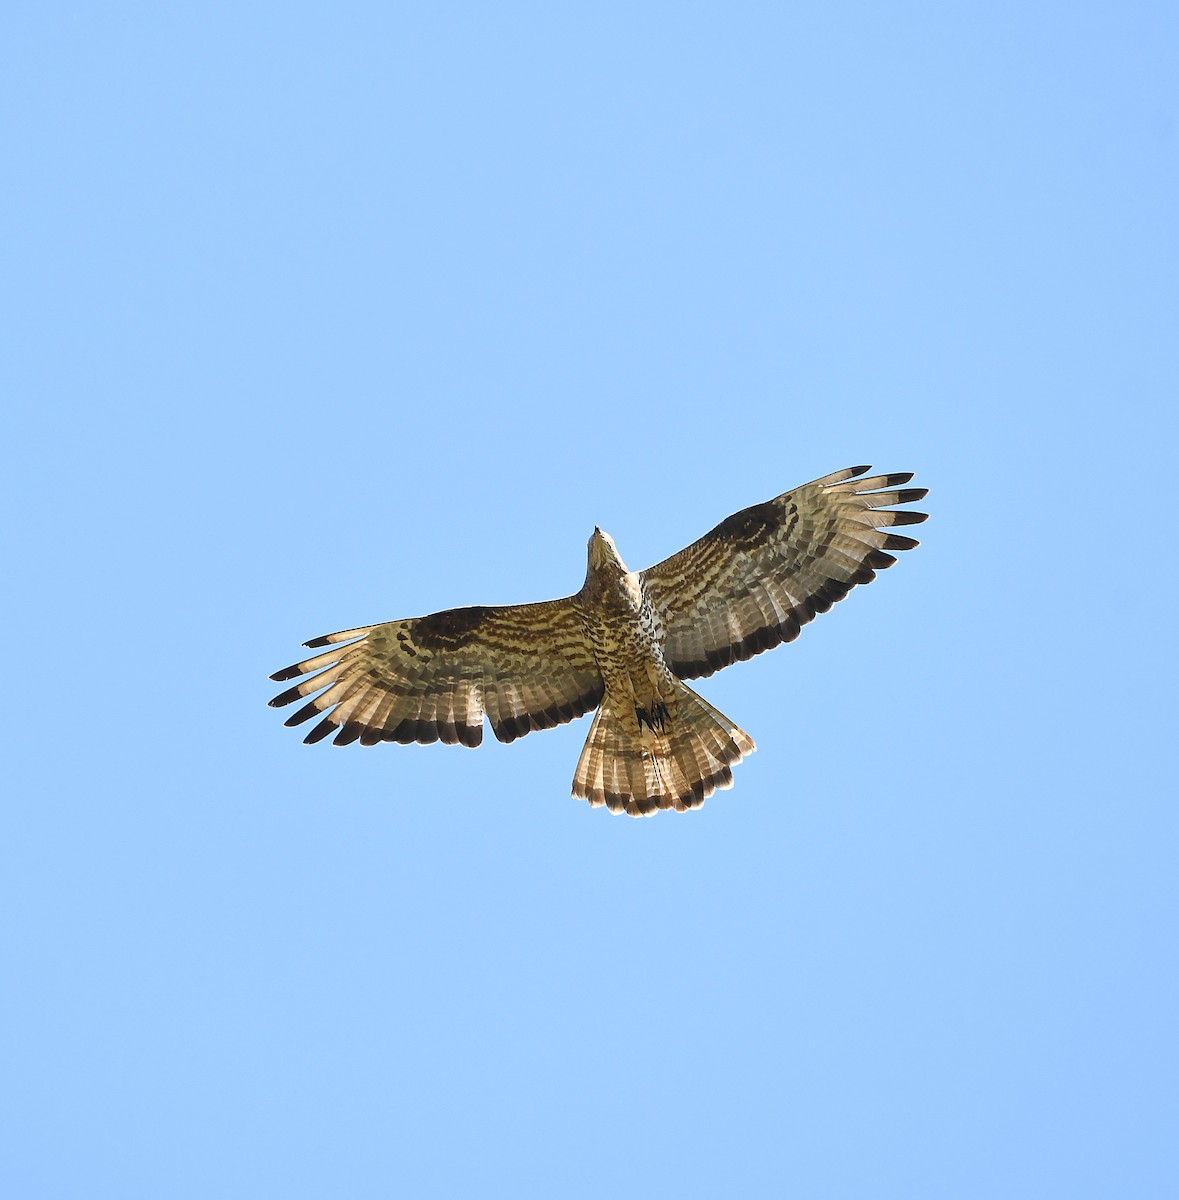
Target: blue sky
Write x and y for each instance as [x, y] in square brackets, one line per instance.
[324, 315]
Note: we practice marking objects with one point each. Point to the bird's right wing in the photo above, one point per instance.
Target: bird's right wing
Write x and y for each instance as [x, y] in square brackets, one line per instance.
[525, 666]
[763, 573]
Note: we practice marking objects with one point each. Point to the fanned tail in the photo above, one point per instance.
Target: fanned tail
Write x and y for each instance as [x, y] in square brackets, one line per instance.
[636, 770]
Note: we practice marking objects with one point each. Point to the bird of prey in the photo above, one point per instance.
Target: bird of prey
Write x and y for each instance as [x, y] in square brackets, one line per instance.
[623, 645]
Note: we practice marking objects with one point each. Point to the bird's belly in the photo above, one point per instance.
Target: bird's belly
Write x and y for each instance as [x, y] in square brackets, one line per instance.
[630, 658]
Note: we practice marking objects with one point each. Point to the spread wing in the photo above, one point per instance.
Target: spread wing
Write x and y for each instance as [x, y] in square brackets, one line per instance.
[764, 572]
[525, 666]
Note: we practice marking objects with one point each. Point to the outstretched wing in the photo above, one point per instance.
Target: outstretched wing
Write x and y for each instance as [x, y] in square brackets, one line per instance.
[433, 678]
[764, 572]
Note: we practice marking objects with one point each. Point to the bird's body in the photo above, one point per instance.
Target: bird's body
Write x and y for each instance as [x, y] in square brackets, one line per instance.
[624, 631]
[654, 743]
[623, 644]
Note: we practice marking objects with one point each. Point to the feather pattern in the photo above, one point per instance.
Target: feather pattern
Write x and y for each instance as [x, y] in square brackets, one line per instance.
[432, 678]
[759, 576]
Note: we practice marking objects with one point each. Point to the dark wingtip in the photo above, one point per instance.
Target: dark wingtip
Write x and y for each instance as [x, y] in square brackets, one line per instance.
[908, 495]
[326, 726]
[315, 643]
[286, 673]
[304, 714]
[854, 471]
[284, 698]
[470, 735]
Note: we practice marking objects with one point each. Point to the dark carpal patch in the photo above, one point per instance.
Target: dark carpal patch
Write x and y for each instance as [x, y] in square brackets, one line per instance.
[751, 526]
[449, 630]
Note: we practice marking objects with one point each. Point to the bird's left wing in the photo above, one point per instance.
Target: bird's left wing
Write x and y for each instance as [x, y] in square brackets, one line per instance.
[527, 666]
[763, 573]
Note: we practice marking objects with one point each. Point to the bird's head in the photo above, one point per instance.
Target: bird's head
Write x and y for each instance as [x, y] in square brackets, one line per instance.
[603, 554]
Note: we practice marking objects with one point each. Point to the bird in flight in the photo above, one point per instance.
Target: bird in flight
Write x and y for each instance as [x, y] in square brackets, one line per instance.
[623, 645]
